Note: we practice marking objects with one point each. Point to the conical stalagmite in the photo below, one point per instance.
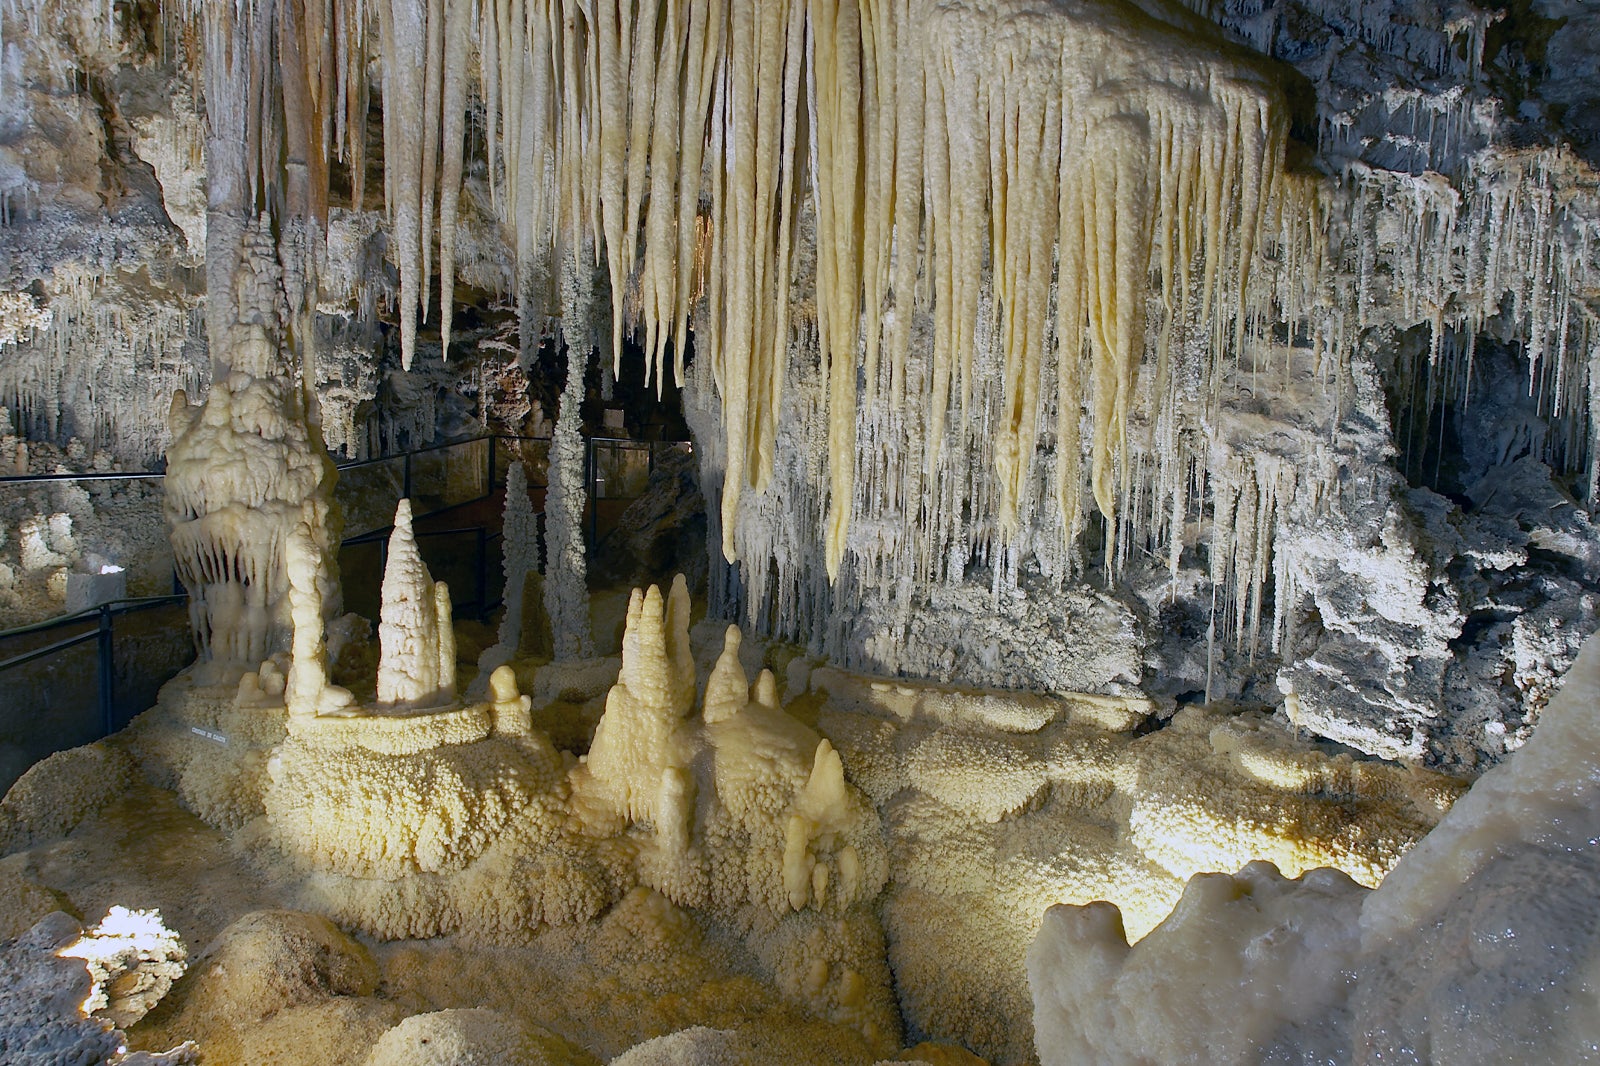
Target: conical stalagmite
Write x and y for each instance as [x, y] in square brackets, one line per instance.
[416, 667]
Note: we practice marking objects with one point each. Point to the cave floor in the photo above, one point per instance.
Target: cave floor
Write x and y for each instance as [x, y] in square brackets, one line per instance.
[599, 986]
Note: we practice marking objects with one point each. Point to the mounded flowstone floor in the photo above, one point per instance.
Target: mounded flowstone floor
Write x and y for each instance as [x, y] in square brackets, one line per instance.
[329, 919]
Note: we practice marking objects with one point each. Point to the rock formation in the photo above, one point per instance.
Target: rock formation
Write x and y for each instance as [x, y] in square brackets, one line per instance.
[417, 649]
[519, 559]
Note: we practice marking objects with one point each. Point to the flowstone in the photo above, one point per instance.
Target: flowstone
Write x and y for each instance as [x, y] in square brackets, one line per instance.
[1490, 915]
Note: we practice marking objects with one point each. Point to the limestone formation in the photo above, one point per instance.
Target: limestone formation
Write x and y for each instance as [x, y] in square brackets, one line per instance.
[520, 558]
[1460, 929]
[417, 664]
[566, 566]
[1148, 452]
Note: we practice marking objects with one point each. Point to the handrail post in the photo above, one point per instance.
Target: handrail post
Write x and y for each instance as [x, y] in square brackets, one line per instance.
[483, 573]
[107, 654]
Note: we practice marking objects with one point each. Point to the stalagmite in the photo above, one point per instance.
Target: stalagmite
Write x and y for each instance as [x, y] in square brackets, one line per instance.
[519, 558]
[566, 594]
[640, 739]
[510, 705]
[230, 521]
[444, 623]
[416, 665]
[308, 691]
[247, 471]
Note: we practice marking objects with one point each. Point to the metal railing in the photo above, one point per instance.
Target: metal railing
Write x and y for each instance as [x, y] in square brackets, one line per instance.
[104, 634]
[613, 471]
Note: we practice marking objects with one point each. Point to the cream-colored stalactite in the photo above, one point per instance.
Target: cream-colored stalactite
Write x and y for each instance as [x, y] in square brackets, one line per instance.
[453, 101]
[946, 144]
[405, 46]
[837, 104]
[748, 315]
[424, 49]
[908, 105]
[643, 49]
[658, 274]
[1024, 147]
[702, 46]
[878, 116]
[614, 23]
[1152, 139]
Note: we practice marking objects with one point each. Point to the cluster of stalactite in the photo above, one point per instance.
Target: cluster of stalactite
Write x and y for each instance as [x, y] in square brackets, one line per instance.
[1058, 160]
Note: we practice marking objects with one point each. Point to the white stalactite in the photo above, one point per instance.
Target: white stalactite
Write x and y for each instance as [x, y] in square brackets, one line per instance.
[1081, 195]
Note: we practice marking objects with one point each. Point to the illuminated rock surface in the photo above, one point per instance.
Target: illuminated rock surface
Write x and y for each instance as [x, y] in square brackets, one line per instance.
[814, 890]
[1488, 917]
[1114, 445]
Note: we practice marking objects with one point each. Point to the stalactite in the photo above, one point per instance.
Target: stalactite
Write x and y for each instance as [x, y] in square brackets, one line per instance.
[1060, 230]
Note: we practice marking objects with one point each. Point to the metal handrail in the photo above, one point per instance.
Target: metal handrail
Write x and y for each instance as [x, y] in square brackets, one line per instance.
[592, 478]
[102, 634]
[126, 605]
[92, 475]
[105, 613]
[348, 464]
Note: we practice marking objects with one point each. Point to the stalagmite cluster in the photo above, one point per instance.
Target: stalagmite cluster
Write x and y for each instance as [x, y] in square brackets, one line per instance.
[742, 778]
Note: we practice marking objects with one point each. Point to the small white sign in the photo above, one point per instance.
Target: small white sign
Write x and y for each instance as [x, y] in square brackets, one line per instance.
[208, 734]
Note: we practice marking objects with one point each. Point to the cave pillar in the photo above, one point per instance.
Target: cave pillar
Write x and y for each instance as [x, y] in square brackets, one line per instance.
[247, 468]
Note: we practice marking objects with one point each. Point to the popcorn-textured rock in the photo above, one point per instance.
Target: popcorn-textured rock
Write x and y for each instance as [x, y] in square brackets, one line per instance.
[269, 960]
[347, 809]
[41, 1006]
[473, 1038]
[60, 791]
